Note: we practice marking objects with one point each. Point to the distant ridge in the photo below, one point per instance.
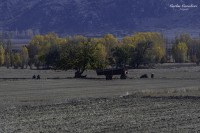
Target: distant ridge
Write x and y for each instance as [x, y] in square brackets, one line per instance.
[98, 16]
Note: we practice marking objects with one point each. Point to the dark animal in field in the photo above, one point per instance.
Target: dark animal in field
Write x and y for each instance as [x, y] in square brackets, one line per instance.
[152, 75]
[144, 76]
[34, 77]
[124, 74]
[38, 77]
[109, 77]
[84, 76]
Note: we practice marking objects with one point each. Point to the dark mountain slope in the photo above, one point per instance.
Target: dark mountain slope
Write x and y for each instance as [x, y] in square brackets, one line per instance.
[92, 16]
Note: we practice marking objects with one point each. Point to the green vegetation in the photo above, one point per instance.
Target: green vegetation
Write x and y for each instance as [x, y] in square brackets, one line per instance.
[80, 53]
[186, 49]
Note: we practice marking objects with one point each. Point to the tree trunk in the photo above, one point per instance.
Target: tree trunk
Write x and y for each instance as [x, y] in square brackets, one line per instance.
[78, 74]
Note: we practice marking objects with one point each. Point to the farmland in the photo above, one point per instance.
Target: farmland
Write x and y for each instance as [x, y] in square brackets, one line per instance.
[59, 103]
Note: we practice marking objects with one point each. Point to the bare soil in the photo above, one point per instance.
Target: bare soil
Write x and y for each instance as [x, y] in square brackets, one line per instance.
[168, 103]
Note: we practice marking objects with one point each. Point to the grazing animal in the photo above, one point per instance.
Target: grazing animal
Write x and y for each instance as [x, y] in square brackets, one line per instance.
[152, 75]
[34, 77]
[144, 76]
[38, 77]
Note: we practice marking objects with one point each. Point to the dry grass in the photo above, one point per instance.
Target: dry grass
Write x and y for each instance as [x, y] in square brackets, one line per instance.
[171, 92]
[59, 103]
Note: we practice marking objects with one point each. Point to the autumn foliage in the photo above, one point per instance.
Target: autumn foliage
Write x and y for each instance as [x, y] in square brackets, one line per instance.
[81, 53]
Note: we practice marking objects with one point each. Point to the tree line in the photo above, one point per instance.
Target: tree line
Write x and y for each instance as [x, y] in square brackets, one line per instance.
[143, 49]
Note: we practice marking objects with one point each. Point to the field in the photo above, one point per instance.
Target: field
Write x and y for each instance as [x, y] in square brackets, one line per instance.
[58, 103]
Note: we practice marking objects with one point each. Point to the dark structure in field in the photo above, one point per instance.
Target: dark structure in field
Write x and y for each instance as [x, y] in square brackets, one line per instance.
[110, 72]
[144, 76]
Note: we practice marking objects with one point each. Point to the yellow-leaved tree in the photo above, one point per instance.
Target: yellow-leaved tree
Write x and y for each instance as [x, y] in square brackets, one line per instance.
[42, 49]
[16, 60]
[2, 55]
[24, 57]
[143, 48]
[179, 52]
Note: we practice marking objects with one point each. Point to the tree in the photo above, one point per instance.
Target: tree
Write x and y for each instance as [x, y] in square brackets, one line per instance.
[129, 41]
[81, 53]
[53, 56]
[24, 57]
[7, 59]
[109, 41]
[196, 57]
[121, 55]
[157, 49]
[40, 46]
[98, 55]
[8, 52]
[33, 50]
[141, 54]
[144, 48]
[193, 50]
[186, 38]
[16, 60]
[2, 55]
[179, 52]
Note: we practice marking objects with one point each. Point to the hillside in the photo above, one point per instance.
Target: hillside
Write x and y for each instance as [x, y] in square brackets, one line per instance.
[96, 17]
